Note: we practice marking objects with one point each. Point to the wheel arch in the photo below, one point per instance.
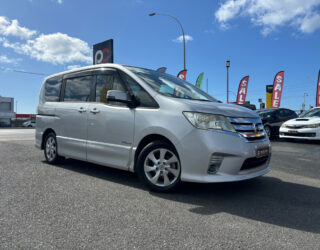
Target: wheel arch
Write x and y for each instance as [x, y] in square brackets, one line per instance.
[46, 132]
[148, 139]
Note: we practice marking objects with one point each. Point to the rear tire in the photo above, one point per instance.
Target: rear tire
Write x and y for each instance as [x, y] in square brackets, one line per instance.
[51, 149]
[159, 166]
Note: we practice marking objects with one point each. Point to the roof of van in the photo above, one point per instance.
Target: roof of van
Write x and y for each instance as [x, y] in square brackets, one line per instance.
[96, 66]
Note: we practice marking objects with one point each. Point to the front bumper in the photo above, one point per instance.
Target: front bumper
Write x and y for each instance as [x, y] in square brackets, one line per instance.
[302, 133]
[197, 147]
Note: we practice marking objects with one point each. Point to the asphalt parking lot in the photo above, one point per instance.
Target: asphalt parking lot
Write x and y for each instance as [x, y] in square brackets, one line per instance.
[80, 205]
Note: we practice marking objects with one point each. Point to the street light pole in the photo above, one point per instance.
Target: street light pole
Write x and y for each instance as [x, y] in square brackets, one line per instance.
[184, 40]
[304, 101]
[228, 65]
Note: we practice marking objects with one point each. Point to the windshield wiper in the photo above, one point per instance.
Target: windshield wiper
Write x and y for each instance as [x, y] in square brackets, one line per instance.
[203, 100]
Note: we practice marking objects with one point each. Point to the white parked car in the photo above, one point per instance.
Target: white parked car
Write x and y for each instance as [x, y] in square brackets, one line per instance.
[30, 124]
[135, 119]
[307, 126]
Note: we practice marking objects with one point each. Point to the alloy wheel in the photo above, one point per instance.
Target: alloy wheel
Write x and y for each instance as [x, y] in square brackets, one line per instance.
[162, 167]
[51, 149]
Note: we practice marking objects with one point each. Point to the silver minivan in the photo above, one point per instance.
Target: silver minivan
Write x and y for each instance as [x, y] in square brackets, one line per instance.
[140, 120]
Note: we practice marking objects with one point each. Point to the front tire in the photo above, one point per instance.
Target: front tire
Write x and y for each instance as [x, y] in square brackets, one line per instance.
[51, 149]
[159, 166]
[268, 131]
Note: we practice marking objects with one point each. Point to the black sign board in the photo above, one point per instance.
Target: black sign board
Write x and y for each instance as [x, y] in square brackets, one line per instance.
[103, 52]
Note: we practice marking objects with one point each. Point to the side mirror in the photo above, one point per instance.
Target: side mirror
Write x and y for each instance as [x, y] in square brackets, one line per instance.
[117, 96]
[120, 96]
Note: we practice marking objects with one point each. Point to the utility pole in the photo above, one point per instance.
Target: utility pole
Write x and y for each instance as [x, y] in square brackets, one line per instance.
[304, 101]
[228, 65]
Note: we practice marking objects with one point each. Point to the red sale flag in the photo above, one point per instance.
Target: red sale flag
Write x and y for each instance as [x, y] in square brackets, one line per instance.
[183, 74]
[242, 90]
[277, 90]
[318, 91]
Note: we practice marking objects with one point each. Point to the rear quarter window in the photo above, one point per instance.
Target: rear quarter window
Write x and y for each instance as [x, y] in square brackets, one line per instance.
[52, 90]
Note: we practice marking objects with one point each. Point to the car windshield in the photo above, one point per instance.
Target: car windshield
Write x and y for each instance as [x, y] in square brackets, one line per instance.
[264, 114]
[172, 86]
[312, 113]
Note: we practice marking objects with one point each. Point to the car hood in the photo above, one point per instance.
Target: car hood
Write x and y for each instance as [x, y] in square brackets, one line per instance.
[229, 110]
[303, 121]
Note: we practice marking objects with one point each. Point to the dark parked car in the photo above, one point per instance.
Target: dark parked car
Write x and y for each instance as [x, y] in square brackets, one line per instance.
[273, 118]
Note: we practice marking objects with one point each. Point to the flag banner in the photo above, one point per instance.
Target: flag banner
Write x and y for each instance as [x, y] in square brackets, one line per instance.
[199, 80]
[242, 90]
[277, 90]
[103, 52]
[269, 89]
[318, 91]
[162, 69]
[182, 74]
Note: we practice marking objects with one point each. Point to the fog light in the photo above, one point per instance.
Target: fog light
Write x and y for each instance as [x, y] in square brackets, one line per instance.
[215, 163]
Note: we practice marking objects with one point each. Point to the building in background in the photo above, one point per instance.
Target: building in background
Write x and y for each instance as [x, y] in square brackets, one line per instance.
[6, 111]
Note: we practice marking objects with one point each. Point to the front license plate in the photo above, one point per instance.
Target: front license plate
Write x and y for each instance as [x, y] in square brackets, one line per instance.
[261, 152]
[293, 132]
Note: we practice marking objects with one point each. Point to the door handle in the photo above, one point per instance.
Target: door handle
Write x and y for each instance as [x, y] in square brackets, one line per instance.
[94, 111]
[82, 110]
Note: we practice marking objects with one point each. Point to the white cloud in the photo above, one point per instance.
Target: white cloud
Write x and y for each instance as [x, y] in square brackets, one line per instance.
[180, 39]
[60, 1]
[12, 28]
[54, 48]
[73, 67]
[310, 23]
[5, 59]
[271, 14]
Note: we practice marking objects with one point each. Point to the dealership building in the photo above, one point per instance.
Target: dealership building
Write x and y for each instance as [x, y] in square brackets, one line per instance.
[6, 111]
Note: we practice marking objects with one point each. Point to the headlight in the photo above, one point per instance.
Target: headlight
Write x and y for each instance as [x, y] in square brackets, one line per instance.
[209, 121]
[283, 125]
[312, 126]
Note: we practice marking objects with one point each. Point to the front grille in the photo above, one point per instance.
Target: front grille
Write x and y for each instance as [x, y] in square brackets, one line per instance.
[254, 162]
[249, 128]
[299, 134]
[295, 126]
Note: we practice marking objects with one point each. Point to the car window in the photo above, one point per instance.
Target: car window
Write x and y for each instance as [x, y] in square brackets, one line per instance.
[78, 89]
[265, 114]
[283, 113]
[171, 86]
[106, 82]
[142, 96]
[52, 90]
[312, 113]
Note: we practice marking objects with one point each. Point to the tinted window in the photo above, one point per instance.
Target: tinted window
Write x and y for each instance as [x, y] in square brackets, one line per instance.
[265, 114]
[52, 90]
[283, 113]
[106, 82]
[78, 89]
[142, 96]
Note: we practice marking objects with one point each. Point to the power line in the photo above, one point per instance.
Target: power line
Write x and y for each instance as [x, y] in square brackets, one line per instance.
[22, 71]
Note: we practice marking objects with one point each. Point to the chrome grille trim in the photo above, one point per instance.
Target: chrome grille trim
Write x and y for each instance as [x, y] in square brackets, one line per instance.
[251, 129]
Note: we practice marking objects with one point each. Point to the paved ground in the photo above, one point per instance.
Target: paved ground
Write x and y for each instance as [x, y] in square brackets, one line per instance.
[80, 205]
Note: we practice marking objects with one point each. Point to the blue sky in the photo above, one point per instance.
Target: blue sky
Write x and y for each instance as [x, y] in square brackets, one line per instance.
[259, 37]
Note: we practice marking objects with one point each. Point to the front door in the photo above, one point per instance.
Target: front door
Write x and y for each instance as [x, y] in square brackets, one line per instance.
[110, 125]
